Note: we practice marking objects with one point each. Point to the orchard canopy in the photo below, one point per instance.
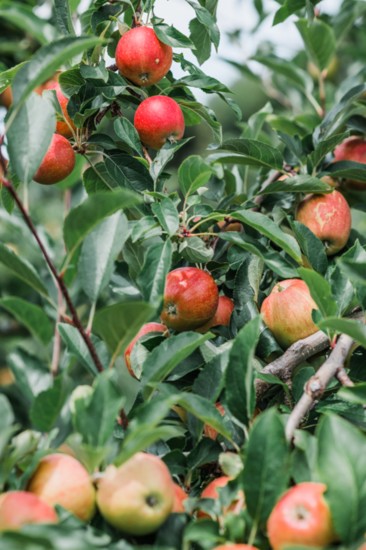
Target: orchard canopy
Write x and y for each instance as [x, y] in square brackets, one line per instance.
[182, 274]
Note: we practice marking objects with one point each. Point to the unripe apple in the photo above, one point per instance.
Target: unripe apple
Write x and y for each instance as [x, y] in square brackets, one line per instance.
[64, 127]
[142, 57]
[58, 162]
[6, 98]
[354, 149]
[179, 497]
[222, 316]
[145, 329]
[18, 508]
[301, 516]
[209, 431]
[210, 491]
[235, 546]
[159, 119]
[138, 496]
[61, 479]
[190, 298]
[328, 217]
[287, 311]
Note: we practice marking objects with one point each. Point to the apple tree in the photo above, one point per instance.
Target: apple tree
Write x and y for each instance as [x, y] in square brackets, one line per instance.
[183, 280]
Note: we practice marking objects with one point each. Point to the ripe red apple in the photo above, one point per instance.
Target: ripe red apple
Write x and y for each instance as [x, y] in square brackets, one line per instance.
[354, 149]
[159, 119]
[18, 508]
[209, 431]
[301, 516]
[145, 329]
[287, 311]
[58, 162]
[142, 57]
[138, 496]
[222, 316]
[210, 491]
[235, 546]
[64, 127]
[61, 479]
[179, 497]
[6, 98]
[190, 298]
[328, 217]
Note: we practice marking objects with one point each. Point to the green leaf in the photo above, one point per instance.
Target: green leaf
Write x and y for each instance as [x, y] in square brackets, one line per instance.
[266, 470]
[356, 394]
[165, 357]
[323, 147]
[157, 264]
[63, 17]
[30, 315]
[47, 406]
[296, 76]
[341, 452]
[76, 346]
[288, 8]
[207, 19]
[320, 291]
[167, 215]
[32, 375]
[118, 324]
[347, 169]
[28, 141]
[82, 219]
[165, 155]
[264, 225]
[248, 152]
[239, 376]
[312, 247]
[126, 131]
[196, 111]
[193, 173]
[355, 270]
[298, 184]
[201, 39]
[170, 35]
[22, 16]
[7, 76]
[319, 41]
[7, 427]
[22, 269]
[354, 329]
[204, 410]
[194, 249]
[99, 251]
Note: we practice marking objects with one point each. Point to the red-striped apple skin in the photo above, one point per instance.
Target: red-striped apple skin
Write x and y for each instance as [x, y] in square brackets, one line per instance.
[18, 508]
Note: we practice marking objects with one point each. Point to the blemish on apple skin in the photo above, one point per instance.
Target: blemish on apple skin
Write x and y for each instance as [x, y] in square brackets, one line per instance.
[183, 283]
[157, 61]
[321, 218]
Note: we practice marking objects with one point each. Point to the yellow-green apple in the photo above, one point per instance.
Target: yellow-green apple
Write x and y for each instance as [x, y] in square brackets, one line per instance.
[191, 297]
[145, 329]
[18, 508]
[287, 311]
[328, 217]
[58, 162]
[63, 480]
[211, 491]
[235, 546]
[208, 430]
[301, 517]
[179, 497]
[142, 57]
[354, 149]
[65, 127]
[6, 97]
[159, 119]
[137, 496]
[222, 315]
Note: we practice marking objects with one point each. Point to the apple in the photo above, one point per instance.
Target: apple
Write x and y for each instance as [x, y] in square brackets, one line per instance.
[301, 516]
[287, 311]
[328, 217]
[145, 329]
[191, 298]
[61, 479]
[64, 127]
[354, 149]
[159, 119]
[210, 491]
[222, 316]
[6, 98]
[230, 225]
[179, 497]
[137, 496]
[208, 430]
[142, 57]
[235, 546]
[18, 508]
[58, 162]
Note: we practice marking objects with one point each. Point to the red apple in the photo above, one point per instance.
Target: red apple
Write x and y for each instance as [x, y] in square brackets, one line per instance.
[6, 98]
[287, 311]
[328, 217]
[145, 329]
[179, 497]
[354, 149]
[142, 57]
[18, 508]
[61, 479]
[159, 119]
[58, 162]
[190, 298]
[208, 430]
[64, 127]
[235, 546]
[211, 492]
[222, 316]
[301, 516]
[138, 496]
